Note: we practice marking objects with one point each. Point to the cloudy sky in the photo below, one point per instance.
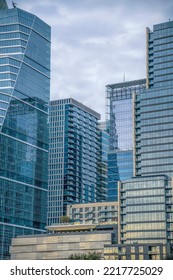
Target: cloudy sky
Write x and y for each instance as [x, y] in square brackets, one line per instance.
[96, 42]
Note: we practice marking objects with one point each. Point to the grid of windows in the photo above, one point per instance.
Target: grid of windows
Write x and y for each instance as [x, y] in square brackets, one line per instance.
[120, 115]
[99, 212]
[154, 117]
[24, 96]
[74, 155]
[145, 210]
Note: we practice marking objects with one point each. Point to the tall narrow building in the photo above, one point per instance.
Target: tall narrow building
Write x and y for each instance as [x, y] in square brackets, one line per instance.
[73, 156]
[146, 209]
[24, 97]
[120, 117]
[154, 106]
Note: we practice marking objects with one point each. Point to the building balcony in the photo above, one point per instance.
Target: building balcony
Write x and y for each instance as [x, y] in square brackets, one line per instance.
[170, 237]
[168, 193]
[68, 193]
[89, 211]
[170, 228]
[77, 212]
[169, 220]
[153, 252]
[123, 204]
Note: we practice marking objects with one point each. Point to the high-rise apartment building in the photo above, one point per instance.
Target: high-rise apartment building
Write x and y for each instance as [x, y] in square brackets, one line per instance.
[154, 106]
[146, 208]
[73, 156]
[120, 117]
[24, 97]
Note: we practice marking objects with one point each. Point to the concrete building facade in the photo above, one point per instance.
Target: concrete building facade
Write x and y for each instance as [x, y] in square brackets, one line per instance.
[99, 212]
[62, 242]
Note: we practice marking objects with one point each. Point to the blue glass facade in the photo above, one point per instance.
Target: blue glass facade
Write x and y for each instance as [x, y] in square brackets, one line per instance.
[154, 107]
[120, 158]
[3, 4]
[74, 155]
[113, 177]
[124, 162]
[120, 168]
[24, 97]
[102, 172]
[146, 208]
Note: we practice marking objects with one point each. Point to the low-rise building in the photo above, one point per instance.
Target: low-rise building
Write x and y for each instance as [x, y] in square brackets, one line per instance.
[98, 212]
[146, 210]
[62, 241]
[150, 251]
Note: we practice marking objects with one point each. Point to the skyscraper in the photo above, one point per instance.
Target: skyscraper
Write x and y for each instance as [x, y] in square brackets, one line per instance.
[73, 156]
[154, 106]
[120, 117]
[24, 97]
[146, 208]
[3, 4]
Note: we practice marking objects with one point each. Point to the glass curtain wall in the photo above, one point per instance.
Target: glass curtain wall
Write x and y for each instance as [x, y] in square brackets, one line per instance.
[24, 97]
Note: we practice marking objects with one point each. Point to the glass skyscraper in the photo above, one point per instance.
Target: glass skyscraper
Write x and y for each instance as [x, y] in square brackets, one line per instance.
[3, 4]
[120, 117]
[73, 156]
[154, 107]
[24, 97]
[146, 208]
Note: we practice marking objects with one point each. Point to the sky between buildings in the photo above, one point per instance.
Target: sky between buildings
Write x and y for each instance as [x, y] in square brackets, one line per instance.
[96, 42]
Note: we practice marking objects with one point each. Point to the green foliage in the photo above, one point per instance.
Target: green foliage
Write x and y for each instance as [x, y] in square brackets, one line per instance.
[88, 256]
[65, 219]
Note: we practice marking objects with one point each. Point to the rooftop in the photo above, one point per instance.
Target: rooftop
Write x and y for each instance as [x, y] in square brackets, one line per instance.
[127, 84]
[77, 104]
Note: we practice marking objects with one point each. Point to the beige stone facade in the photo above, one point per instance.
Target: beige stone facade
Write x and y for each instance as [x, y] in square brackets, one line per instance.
[58, 246]
[98, 212]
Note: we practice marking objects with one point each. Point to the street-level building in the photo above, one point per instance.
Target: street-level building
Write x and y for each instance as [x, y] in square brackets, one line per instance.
[146, 210]
[137, 251]
[63, 241]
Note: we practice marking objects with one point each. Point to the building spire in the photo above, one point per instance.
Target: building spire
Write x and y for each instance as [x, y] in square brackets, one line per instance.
[14, 4]
[3, 5]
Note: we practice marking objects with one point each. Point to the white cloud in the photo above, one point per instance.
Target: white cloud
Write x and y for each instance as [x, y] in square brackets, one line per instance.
[96, 42]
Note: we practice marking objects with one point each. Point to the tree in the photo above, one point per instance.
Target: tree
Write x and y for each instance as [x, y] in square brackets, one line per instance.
[65, 219]
[88, 256]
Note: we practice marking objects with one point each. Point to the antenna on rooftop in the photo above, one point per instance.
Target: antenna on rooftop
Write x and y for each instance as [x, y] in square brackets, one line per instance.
[14, 4]
[124, 78]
